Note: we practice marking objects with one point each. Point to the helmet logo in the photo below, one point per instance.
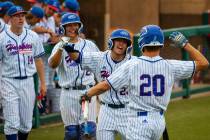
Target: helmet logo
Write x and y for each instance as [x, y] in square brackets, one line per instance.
[143, 31]
[71, 16]
[155, 38]
[124, 33]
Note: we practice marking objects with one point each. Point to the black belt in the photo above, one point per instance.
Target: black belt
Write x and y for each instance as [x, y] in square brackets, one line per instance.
[145, 113]
[82, 87]
[113, 105]
[21, 78]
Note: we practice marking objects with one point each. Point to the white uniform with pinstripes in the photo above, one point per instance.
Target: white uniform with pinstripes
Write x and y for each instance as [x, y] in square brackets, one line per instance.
[2, 26]
[110, 120]
[17, 54]
[150, 82]
[70, 75]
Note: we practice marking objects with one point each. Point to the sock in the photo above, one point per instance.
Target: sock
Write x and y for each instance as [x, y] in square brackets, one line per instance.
[11, 137]
[22, 136]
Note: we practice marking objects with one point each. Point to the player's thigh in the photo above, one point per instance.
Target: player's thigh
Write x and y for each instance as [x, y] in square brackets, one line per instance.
[139, 129]
[105, 135]
[70, 107]
[121, 116]
[26, 105]
[10, 102]
[159, 126]
[106, 119]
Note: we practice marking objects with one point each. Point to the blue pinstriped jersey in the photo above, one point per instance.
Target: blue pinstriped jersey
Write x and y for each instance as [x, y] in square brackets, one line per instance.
[102, 65]
[18, 53]
[150, 80]
[69, 72]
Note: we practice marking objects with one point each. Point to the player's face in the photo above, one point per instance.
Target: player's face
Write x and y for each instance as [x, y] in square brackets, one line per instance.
[72, 30]
[120, 46]
[18, 20]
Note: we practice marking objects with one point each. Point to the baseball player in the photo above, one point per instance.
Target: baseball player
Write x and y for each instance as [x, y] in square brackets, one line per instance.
[150, 79]
[20, 52]
[4, 18]
[72, 78]
[113, 112]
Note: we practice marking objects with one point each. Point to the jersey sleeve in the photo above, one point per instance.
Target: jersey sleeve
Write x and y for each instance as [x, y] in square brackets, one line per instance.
[182, 69]
[38, 47]
[56, 47]
[1, 50]
[120, 77]
[90, 60]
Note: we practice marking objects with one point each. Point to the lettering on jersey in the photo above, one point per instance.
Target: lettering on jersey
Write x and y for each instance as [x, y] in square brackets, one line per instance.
[70, 62]
[104, 73]
[13, 49]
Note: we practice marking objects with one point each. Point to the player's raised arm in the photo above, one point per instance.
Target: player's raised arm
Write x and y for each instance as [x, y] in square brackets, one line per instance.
[180, 41]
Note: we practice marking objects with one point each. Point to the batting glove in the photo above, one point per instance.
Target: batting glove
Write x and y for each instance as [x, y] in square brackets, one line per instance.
[69, 47]
[84, 98]
[39, 101]
[178, 39]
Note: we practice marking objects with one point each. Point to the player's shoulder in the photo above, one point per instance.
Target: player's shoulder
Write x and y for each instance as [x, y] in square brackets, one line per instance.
[90, 43]
[2, 34]
[31, 33]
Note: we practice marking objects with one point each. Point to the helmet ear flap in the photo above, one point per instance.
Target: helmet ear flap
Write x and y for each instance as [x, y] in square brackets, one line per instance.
[61, 30]
[129, 49]
[110, 44]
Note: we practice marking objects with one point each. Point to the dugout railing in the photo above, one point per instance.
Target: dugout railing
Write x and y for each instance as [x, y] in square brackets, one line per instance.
[185, 91]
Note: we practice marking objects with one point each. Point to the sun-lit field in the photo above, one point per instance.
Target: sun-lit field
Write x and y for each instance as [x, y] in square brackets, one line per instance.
[186, 120]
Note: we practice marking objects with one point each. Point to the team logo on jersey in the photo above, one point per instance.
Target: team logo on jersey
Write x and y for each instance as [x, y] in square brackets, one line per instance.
[25, 49]
[104, 73]
[21, 49]
[69, 62]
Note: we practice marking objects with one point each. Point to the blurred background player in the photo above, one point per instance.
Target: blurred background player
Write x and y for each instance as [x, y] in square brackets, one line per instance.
[71, 6]
[150, 80]
[72, 79]
[4, 18]
[34, 16]
[20, 52]
[113, 113]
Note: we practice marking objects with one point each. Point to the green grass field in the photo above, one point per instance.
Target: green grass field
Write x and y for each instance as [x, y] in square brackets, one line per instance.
[186, 120]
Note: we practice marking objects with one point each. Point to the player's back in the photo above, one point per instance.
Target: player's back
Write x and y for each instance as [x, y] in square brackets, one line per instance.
[152, 81]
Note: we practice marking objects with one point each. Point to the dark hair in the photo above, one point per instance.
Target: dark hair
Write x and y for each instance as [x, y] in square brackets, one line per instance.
[151, 48]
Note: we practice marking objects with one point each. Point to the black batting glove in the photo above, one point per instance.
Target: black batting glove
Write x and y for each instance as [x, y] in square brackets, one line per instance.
[69, 47]
[84, 98]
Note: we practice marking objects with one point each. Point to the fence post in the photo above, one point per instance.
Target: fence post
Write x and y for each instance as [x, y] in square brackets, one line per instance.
[136, 50]
[36, 110]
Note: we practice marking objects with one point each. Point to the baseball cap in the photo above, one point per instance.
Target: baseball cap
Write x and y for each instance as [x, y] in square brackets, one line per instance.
[15, 10]
[31, 1]
[72, 5]
[54, 4]
[5, 6]
[37, 11]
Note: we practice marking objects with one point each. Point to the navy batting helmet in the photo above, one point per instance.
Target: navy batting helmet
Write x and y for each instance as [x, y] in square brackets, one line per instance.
[70, 18]
[120, 33]
[151, 35]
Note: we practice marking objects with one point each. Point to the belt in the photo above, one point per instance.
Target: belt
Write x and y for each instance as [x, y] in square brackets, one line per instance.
[113, 105]
[21, 78]
[82, 87]
[145, 113]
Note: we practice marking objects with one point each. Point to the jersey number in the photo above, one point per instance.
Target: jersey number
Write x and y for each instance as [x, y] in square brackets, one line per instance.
[30, 60]
[153, 83]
